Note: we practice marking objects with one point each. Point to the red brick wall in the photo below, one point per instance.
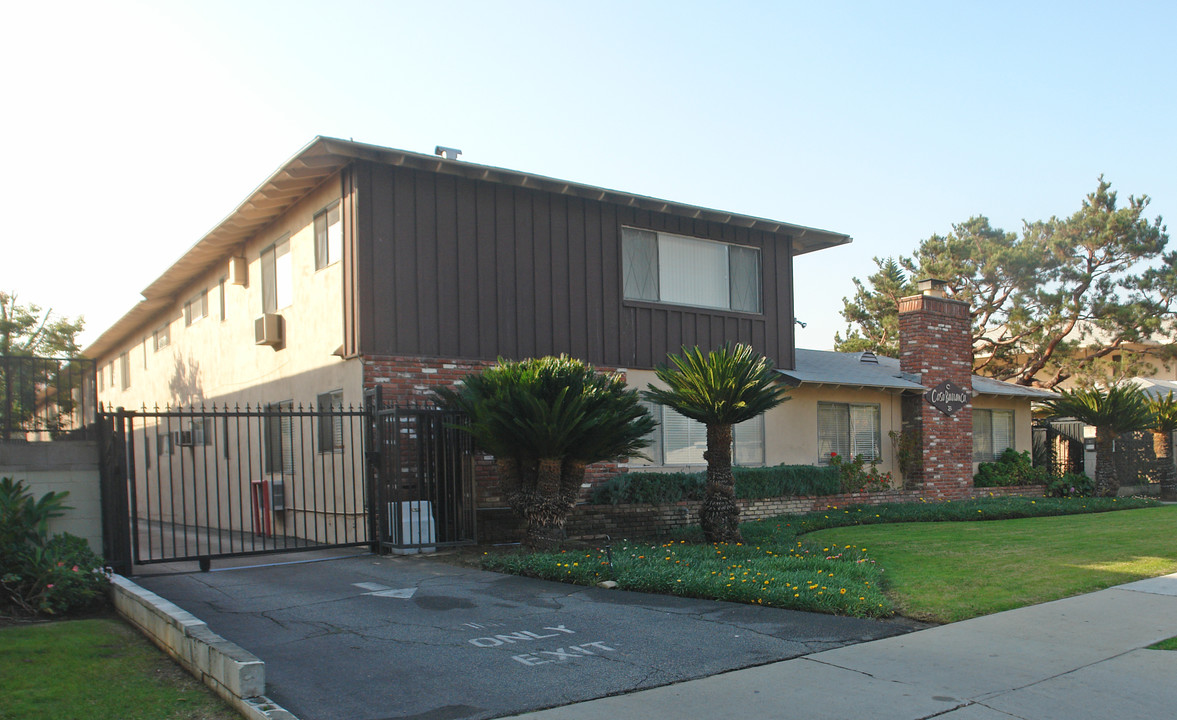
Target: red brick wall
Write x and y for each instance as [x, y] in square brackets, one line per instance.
[634, 521]
[935, 342]
[407, 381]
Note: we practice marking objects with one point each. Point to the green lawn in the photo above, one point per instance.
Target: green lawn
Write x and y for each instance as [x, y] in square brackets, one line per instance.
[97, 669]
[782, 561]
[953, 571]
[1170, 644]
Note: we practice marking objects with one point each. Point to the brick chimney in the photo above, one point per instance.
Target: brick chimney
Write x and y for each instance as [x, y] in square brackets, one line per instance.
[935, 342]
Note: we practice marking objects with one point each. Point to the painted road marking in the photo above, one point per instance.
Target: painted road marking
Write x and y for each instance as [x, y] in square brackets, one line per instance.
[378, 590]
[512, 638]
[540, 657]
[562, 655]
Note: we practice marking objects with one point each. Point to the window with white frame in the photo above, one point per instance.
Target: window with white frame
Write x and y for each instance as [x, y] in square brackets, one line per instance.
[660, 267]
[162, 337]
[196, 308]
[330, 425]
[993, 432]
[848, 430]
[277, 277]
[678, 440]
[328, 237]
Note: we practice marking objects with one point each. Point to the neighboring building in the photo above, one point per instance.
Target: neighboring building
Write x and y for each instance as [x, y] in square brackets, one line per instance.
[356, 267]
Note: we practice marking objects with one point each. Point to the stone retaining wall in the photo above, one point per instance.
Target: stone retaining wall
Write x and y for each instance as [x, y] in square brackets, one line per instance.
[233, 673]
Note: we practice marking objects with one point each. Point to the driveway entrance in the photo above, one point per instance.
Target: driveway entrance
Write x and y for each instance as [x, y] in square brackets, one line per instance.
[370, 637]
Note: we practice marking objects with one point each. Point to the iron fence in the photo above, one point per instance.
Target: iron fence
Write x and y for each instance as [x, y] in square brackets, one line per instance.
[221, 482]
[47, 398]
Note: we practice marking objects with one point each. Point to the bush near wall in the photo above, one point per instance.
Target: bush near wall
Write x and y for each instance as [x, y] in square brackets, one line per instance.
[751, 483]
[1012, 468]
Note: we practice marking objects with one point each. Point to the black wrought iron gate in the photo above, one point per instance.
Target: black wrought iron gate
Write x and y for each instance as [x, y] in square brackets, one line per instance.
[424, 479]
[201, 483]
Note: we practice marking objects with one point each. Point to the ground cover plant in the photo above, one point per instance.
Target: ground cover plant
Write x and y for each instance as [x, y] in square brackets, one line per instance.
[778, 564]
[99, 669]
[40, 574]
[948, 572]
[1170, 644]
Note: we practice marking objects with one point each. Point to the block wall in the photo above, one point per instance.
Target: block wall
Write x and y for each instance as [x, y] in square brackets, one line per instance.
[66, 466]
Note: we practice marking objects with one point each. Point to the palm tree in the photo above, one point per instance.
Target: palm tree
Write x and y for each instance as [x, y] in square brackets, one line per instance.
[1119, 409]
[545, 420]
[719, 389]
[1164, 413]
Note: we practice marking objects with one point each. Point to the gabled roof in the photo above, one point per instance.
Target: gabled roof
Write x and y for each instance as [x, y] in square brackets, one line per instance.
[324, 156]
[826, 367]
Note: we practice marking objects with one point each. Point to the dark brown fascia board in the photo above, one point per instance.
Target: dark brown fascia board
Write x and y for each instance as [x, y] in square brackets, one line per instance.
[805, 239]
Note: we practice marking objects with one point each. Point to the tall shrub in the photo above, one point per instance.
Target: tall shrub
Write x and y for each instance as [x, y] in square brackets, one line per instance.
[545, 420]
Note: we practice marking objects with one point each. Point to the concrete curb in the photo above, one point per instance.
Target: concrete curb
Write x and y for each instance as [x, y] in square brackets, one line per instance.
[233, 673]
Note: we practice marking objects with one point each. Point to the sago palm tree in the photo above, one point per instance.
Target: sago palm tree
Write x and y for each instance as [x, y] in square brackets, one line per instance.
[545, 420]
[1118, 410]
[1164, 422]
[719, 389]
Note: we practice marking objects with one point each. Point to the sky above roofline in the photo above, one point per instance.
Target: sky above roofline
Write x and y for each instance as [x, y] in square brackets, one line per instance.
[137, 126]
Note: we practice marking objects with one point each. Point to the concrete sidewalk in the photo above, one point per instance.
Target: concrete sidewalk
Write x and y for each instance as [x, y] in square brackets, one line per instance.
[1082, 657]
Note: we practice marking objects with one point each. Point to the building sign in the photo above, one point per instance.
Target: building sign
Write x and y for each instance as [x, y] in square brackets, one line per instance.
[948, 397]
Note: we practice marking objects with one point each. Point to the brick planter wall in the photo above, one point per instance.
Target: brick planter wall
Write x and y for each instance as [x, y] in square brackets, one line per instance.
[643, 521]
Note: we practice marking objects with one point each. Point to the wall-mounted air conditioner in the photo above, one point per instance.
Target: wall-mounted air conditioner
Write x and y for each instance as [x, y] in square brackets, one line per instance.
[270, 329]
[238, 271]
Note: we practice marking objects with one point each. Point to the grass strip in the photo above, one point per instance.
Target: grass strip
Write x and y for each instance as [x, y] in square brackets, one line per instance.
[775, 566]
[97, 669]
[947, 572]
[1170, 644]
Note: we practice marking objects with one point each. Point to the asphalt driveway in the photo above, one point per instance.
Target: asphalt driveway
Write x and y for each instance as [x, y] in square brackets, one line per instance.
[368, 637]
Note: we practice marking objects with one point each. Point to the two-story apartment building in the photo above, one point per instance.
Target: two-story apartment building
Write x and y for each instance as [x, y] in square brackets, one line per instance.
[355, 266]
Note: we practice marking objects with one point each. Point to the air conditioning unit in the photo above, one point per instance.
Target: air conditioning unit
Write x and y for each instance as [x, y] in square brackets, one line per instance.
[270, 329]
[238, 271]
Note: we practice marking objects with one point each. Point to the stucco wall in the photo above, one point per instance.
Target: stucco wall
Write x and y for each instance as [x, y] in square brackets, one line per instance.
[61, 467]
[214, 360]
[790, 429]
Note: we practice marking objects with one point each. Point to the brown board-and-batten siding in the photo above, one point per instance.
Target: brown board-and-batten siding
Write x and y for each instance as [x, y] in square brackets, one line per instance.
[452, 267]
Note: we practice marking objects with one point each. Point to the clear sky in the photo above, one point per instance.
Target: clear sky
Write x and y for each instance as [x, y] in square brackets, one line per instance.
[134, 127]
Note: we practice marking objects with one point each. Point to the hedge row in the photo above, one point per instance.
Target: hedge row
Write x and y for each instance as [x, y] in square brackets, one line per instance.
[751, 483]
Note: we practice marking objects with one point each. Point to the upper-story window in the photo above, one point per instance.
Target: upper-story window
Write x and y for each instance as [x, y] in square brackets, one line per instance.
[277, 273]
[328, 237]
[661, 267]
[196, 308]
[124, 371]
[162, 336]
